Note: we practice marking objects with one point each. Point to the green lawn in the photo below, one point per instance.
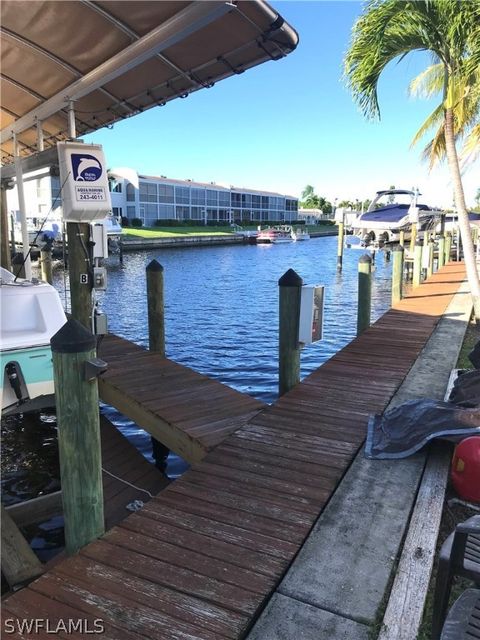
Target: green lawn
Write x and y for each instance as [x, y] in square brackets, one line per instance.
[174, 232]
[178, 232]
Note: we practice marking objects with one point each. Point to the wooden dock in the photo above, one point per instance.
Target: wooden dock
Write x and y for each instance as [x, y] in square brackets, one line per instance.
[201, 559]
[185, 410]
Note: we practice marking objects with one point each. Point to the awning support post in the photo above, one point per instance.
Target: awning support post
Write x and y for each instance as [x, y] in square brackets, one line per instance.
[23, 212]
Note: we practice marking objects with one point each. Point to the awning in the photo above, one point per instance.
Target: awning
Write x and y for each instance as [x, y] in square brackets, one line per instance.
[114, 59]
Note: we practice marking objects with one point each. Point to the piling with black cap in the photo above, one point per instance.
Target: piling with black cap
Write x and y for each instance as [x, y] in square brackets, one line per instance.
[156, 310]
[78, 419]
[397, 273]
[290, 294]
[156, 338]
[364, 293]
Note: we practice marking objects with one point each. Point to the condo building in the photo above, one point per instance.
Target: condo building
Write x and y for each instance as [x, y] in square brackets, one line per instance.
[161, 198]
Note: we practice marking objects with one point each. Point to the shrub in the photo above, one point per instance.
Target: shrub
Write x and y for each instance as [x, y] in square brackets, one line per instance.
[137, 222]
[125, 221]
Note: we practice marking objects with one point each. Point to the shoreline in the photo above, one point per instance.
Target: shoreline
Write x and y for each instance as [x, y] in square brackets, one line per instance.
[200, 240]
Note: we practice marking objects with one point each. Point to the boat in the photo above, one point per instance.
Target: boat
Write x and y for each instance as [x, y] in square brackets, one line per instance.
[300, 233]
[275, 235]
[382, 223]
[31, 313]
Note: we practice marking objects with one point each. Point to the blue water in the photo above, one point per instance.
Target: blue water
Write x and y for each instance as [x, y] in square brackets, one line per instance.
[221, 310]
[221, 314]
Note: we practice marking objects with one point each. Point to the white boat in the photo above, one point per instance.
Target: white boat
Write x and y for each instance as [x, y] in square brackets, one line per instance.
[275, 235]
[31, 313]
[382, 223]
[300, 233]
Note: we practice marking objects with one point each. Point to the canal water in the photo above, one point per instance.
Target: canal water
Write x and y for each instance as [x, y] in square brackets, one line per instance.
[221, 314]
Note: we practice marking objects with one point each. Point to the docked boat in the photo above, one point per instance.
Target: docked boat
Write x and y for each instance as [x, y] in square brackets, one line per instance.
[275, 235]
[31, 313]
[382, 222]
[300, 233]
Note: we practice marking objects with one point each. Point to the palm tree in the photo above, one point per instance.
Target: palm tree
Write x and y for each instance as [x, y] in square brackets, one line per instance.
[309, 198]
[450, 31]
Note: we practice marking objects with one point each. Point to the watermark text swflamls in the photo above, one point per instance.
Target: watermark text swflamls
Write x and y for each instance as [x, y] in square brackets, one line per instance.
[44, 625]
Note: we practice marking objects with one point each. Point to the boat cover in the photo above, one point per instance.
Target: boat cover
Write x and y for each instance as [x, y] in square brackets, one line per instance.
[404, 430]
[390, 213]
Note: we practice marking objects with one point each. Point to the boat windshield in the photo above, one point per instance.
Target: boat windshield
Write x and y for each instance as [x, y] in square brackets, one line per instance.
[391, 198]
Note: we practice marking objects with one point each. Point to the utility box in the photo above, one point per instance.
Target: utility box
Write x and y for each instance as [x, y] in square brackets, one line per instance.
[311, 314]
[100, 238]
[83, 174]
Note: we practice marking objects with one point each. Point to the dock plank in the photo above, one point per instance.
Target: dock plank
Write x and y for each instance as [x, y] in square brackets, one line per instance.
[222, 536]
[186, 411]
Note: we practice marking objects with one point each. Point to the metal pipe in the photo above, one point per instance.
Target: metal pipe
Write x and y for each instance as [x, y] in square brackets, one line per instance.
[23, 210]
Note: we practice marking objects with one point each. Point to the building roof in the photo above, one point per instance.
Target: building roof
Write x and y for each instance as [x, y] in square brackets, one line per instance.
[117, 58]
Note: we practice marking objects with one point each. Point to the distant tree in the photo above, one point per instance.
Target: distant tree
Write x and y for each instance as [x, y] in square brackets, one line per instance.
[391, 198]
[346, 204]
[325, 205]
[310, 200]
[365, 204]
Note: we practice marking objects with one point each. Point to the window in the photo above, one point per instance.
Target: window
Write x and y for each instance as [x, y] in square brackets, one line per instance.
[212, 197]
[182, 195]
[165, 193]
[224, 198]
[256, 202]
[117, 211]
[236, 199]
[166, 211]
[197, 213]
[114, 186]
[148, 192]
[182, 212]
[198, 196]
[131, 212]
[130, 193]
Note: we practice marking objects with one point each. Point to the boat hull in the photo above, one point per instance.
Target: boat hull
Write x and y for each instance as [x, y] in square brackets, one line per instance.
[34, 370]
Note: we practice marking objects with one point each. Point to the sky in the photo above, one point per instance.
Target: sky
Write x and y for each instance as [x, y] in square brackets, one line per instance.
[289, 123]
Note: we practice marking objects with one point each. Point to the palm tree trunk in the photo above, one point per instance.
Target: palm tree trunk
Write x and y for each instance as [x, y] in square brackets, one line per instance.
[463, 222]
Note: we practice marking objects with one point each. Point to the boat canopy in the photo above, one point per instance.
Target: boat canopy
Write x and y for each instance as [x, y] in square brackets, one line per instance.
[111, 59]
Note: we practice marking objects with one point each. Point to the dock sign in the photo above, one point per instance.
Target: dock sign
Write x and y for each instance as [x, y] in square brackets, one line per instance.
[83, 174]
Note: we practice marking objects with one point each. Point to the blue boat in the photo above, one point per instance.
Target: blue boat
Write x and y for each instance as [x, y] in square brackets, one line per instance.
[382, 223]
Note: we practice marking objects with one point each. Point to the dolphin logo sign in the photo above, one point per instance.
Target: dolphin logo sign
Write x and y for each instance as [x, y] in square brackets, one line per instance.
[85, 168]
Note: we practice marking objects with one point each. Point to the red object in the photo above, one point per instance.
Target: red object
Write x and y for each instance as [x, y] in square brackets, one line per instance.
[466, 469]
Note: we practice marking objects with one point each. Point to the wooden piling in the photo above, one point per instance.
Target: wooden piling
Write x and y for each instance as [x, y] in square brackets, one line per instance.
[430, 249]
[402, 238]
[364, 293]
[441, 251]
[448, 247]
[417, 264]
[397, 273]
[156, 312]
[46, 264]
[341, 233]
[80, 271]
[290, 292]
[76, 392]
[413, 237]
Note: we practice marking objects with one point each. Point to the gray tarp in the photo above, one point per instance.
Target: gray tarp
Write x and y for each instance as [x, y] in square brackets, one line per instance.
[402, 431]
